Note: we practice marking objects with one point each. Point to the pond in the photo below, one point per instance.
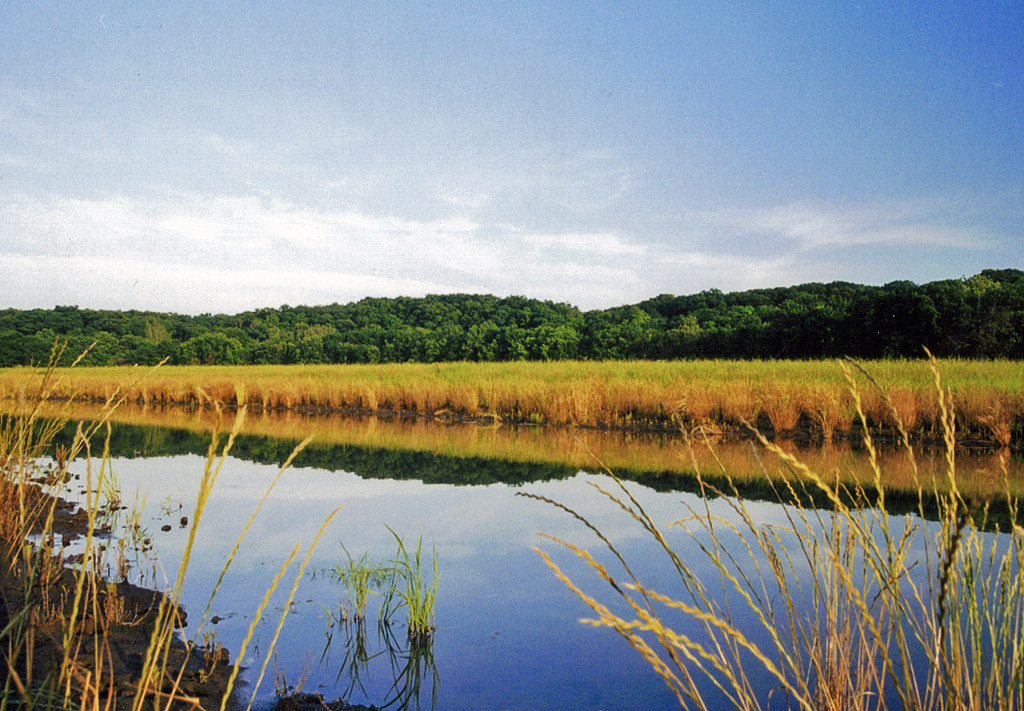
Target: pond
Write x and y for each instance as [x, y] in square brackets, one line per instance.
[508, 633]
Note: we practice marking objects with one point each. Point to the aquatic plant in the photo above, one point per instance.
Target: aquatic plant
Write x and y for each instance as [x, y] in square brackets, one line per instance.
[842, 607]
[398, 583]
[362, 578]
[416, 594]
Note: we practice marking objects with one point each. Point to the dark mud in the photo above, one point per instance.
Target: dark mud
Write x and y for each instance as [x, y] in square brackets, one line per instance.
[115, 629]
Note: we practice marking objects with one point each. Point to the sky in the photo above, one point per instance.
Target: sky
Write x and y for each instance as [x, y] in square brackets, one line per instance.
[219, 157]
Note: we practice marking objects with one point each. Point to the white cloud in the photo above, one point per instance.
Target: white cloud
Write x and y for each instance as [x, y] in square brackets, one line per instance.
[193, 253]
[813, 226]
[107, 282]
[596, 244]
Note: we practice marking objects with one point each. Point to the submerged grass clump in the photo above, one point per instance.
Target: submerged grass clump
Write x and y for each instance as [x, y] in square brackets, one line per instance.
[842, 607]
[416, 593]
[400, 583]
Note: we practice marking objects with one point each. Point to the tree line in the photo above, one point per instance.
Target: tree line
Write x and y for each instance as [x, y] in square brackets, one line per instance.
[977, 317]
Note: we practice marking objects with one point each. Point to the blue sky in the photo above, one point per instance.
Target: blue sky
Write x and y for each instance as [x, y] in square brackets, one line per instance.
[217, 157]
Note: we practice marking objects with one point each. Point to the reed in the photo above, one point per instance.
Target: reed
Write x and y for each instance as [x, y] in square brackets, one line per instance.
[57, 622]
[841, 607]
[415, 592]
[787, 395]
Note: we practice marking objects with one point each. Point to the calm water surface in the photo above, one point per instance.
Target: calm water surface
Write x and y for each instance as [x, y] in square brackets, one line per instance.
[508, 632]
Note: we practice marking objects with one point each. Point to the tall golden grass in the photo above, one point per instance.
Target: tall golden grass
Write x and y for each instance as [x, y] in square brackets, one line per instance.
[844, 607]
[987, 397]
[56, 648]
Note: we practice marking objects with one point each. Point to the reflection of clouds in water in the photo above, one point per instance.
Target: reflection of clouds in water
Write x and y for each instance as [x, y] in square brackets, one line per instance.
[460, 521]
[491, 580]
[580, 494]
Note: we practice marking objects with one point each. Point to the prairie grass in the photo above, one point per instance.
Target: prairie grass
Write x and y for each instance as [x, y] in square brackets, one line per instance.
[783, 395]
[846, 606]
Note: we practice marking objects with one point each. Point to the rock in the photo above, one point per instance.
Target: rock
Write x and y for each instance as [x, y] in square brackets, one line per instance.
[315, 702]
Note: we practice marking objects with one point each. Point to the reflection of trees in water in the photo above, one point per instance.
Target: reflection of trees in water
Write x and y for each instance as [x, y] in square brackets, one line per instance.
[734, 468]
[367, 462]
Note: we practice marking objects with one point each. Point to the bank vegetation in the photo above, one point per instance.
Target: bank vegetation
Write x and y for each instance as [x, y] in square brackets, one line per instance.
[780, 398]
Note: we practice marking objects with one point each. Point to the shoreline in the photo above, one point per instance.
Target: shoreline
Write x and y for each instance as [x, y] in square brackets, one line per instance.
[114, 631]
[805, 432]
[112, 637]
[782, 399]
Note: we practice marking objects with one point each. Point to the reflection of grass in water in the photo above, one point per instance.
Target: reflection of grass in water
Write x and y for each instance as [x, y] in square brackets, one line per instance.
[410, 669]
[409, 664]
[847, 607]
[470, 454]
[469, 451]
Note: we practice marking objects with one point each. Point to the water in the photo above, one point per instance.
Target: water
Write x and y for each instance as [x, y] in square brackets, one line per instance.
[508, 635]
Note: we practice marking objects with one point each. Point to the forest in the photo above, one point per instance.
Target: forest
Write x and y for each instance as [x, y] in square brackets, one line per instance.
[977, 317]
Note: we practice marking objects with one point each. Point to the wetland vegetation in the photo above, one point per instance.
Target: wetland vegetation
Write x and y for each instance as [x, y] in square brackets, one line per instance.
[841, 606]
[895, 585]
[802, 398]
[74, 632]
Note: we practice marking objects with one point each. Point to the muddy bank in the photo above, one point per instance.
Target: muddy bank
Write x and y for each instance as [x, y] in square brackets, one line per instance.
[110, 638]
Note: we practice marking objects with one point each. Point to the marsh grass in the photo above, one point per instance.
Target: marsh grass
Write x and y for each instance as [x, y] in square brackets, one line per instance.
[783, 395]
[841, 607]
[416, 593]
[362, 578]
[398, 583]
[54, 635]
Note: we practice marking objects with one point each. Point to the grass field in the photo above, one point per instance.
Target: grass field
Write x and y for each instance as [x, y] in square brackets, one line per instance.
[786, 396]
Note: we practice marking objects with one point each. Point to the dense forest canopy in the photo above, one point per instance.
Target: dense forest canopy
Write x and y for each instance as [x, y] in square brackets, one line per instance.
[978, 317]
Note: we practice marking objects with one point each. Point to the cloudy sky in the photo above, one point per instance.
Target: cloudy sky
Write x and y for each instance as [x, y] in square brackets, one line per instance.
[217, 157]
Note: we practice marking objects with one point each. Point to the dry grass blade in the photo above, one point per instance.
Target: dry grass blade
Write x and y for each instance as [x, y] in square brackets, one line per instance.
[841, 616]
[287, 604]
